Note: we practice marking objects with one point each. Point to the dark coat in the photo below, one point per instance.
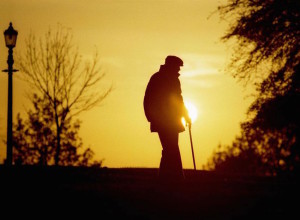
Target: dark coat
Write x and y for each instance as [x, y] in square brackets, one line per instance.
[163, 102]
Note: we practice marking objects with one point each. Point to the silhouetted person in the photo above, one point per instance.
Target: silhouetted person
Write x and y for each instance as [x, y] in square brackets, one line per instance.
[164, 108]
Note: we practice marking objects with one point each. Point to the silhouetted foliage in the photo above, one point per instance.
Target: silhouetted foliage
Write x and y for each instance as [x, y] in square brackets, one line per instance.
[34, 140]
[267, 35]
[267, 54]
[53, 68]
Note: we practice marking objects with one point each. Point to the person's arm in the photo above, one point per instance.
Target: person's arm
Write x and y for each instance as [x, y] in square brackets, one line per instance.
[184, 111]
[186, 116]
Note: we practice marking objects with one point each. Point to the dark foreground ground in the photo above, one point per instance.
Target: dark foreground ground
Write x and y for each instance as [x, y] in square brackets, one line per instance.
[90, 193]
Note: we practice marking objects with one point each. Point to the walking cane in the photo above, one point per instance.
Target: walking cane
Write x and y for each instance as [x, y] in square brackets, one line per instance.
[190, 132]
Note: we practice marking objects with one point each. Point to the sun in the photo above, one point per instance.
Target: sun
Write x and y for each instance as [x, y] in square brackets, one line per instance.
[192, 111]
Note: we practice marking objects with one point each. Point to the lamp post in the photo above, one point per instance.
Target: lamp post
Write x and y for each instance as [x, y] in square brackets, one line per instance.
[10, 36]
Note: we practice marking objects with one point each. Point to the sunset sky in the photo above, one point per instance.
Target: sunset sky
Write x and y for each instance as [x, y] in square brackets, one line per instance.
[133, 38]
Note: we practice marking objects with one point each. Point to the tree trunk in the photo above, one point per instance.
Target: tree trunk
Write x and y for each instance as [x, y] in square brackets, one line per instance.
[57, 146]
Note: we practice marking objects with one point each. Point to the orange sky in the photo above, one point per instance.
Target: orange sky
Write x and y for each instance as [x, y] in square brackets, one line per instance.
[133, 38]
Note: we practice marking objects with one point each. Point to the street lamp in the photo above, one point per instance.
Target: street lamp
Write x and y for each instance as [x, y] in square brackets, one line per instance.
[10, 36]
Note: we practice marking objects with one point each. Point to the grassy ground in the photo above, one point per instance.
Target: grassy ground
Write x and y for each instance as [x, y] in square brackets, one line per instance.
[136, 194]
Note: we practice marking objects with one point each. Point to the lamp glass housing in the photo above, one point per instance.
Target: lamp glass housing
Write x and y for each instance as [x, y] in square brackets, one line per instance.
[10, 36]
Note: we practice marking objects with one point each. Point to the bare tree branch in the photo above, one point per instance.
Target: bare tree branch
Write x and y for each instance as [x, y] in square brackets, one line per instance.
[53, 67]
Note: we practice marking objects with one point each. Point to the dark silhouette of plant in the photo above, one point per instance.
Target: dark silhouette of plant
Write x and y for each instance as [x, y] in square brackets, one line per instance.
[34, 139]
[267, 36]
[267, 54]
[53, 68]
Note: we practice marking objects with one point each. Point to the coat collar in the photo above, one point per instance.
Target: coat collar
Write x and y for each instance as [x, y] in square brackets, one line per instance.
[163, 69]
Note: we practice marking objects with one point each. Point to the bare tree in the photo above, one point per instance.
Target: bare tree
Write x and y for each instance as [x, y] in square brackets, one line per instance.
[53, 67]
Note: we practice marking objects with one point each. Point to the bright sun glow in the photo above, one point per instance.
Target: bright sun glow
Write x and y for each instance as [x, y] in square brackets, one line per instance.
[192, 110]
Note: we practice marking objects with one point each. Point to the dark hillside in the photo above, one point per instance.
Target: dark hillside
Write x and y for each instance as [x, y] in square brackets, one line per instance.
[135, 193]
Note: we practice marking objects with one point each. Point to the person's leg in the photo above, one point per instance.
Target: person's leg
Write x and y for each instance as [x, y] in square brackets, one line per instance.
[170, 165]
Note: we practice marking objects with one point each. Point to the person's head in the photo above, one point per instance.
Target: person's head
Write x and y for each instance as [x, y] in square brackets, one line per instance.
[173, 63]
